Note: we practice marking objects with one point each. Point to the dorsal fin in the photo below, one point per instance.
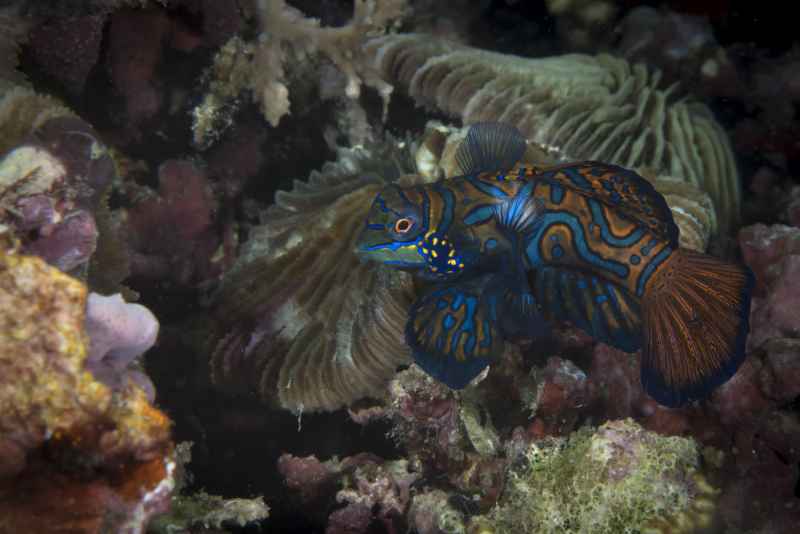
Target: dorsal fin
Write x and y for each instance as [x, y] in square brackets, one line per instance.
[490, 146]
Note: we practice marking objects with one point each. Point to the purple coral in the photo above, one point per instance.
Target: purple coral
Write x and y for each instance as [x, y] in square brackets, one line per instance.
[51, 186]
[371, 489]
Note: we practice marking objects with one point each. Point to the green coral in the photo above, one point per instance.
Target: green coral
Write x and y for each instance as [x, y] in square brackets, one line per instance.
[618, 478]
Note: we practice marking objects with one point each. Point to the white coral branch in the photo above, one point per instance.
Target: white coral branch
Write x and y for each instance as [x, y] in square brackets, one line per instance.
[287, 37]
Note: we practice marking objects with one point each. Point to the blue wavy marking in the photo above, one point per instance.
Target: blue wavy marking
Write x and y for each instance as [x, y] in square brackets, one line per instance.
[447, 213]
[487, 340]
[382, 203]
[457, 302]
[645, 250]
[486, 189]
[556, 193]
[467, 328]
[648, 271]
[479, 214]
[392, 245]
[448, 322]
[577, 179]
[579, 239]
[605, 232]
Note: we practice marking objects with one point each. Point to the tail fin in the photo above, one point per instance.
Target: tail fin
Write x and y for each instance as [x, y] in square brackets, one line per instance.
[696, 319]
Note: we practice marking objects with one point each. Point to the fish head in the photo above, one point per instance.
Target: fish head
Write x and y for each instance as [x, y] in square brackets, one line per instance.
[395, 223]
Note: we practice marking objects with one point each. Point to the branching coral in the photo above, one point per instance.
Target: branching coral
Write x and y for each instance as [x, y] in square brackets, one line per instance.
[286, 35]
[573, 106]
[301, 321]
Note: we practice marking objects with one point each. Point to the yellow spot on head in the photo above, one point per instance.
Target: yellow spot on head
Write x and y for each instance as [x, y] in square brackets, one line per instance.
[434, 269]
[424, 250]
[419, 244]
[452, 252]
[435, 240]
[451, 262]
[435, 255]
[444, 241]
[460, 265]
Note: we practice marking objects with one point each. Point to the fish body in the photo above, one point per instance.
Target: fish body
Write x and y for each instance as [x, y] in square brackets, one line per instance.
[510, 248]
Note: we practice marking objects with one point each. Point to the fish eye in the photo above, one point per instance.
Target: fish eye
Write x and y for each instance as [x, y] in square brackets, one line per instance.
[403, 225]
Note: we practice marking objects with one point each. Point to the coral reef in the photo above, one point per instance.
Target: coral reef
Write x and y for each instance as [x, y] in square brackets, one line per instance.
[182, 214]
[23, 110]
[50, 187]
[136, 38]
[13, 32]
[76, 455]
[201, 512]
[619, 478]
[68, 48]
[773, 252]
[301, 321]
[574, 106]
[372, 490]
[166, 184]
[583, 24]
[682, 46]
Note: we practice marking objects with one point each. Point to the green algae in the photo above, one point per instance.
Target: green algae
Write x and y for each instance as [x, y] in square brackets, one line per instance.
[616, 479]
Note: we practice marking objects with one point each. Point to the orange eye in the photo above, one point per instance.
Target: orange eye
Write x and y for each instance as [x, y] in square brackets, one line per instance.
[403, 225]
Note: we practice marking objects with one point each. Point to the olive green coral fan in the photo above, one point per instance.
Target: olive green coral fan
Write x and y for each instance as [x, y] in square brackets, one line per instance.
[619, 478]
[300, 320]
[575, 106]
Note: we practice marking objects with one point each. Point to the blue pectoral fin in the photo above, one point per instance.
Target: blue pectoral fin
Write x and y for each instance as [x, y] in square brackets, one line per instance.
[453, 334]
[602, 309]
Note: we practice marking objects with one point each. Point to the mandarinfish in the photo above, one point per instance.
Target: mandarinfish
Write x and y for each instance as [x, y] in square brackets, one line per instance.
[510, 248]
